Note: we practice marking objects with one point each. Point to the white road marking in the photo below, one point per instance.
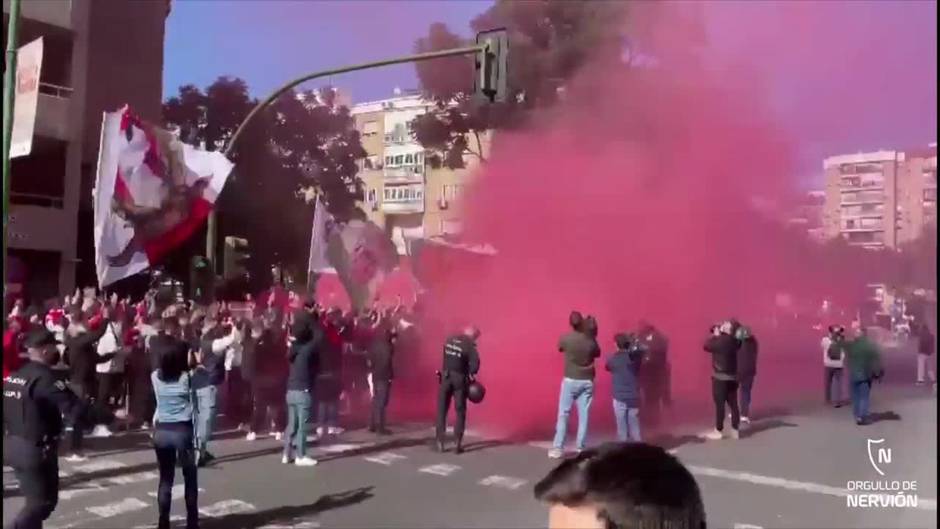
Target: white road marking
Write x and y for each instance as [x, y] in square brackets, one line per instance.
[133, 478]
[544, 445]
[299, 525]
[385, 458]
[97, 466]
[341, 447]
[929, 504]
[119, 507]
[63, 474]
[81, 490]
[176, 492]
[746, 526]
[674, 451]
[442, 469]
[226, 507]
[506, 482]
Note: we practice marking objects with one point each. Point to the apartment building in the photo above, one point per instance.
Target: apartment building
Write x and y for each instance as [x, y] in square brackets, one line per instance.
[808, 214]
[880, 199]
[97, 55]
[403, 193]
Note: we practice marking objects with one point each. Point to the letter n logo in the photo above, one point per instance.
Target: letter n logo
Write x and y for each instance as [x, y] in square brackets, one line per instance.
[880, 457]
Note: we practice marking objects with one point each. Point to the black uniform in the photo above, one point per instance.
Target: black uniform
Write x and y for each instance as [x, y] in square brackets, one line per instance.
[33, 404]
[461, 361]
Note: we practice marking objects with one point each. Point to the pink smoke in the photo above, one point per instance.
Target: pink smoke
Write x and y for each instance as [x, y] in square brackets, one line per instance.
[635, 200]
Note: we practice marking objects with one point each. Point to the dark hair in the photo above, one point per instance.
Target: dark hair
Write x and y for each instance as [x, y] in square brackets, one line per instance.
[575, 319]
[173, 362]
[590, 326]
[623, 341]
[633, 485]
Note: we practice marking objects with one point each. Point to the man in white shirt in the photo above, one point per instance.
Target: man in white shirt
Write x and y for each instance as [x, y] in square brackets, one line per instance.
[111, 372]
[833, 350]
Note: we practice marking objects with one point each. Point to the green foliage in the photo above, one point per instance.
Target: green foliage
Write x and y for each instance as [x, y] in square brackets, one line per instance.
[302, 144]
[549, 42]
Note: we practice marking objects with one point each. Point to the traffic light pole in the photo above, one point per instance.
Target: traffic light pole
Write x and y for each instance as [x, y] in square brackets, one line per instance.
[9, 80]
[453, 52]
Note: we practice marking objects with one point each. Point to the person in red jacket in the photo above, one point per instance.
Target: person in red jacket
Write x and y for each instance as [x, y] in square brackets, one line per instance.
[11, 349]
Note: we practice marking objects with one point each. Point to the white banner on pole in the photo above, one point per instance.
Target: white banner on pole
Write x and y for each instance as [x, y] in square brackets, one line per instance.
[28, 69]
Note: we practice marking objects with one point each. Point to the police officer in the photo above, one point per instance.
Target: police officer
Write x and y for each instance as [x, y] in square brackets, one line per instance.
[461, 363]
[33, 405]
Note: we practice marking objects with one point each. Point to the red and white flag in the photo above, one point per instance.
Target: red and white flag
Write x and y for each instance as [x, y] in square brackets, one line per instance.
[152, 193]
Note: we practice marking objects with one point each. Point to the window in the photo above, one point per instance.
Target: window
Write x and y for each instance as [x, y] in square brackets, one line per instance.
[387, 194]
[399, 160]
[388, 161]
[370, 128]
[409, 159]
[371, 196]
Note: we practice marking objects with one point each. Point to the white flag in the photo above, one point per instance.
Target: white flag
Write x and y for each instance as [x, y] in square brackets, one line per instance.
[151, 195]
[319, 239]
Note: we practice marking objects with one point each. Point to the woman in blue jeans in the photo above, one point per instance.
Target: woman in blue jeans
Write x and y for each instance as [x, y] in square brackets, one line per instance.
[173, 423]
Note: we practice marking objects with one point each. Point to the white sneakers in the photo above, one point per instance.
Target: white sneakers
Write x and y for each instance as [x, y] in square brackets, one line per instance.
[101, 431]
[76, 458]
[305, 461]
[717, 435]
[285, 460]
[251, 436]
[555, 453]
[745, 420]
[714, 435]
[278, 436]
[335, 430]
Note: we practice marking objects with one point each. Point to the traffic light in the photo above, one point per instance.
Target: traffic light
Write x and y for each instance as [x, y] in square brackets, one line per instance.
[492, 65]
[201, 280]
[235, 258]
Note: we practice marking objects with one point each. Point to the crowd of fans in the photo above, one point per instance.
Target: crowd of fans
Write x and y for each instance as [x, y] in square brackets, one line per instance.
[238, 353]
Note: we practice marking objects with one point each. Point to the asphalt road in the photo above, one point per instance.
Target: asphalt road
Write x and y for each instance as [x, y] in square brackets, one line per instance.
[790, 470]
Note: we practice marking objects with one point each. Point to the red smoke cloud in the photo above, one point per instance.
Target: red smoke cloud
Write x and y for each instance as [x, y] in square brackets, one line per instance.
[635, 200]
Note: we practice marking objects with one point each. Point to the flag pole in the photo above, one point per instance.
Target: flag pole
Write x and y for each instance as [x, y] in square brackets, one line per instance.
[9, 80]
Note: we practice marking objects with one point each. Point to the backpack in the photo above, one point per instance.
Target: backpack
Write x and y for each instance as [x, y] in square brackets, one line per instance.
[835, 350]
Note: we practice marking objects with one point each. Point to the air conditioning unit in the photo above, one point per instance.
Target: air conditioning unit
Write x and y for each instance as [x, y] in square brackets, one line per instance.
[442, 203]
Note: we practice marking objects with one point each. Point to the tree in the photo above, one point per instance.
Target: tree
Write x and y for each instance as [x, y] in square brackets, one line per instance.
[302, 144]
[549, 42]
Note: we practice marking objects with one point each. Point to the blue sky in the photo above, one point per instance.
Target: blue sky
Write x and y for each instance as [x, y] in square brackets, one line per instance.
[842, 76]
[268, 42]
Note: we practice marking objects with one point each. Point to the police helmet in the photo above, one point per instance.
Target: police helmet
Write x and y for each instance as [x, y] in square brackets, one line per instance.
[476, 392]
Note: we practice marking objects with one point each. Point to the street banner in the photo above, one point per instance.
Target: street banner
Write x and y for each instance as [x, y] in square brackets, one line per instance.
[28, 70]
[151, 194]
[323, 224]
[362, 254]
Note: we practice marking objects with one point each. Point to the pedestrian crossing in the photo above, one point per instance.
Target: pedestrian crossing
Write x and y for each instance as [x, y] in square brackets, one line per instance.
[109, 487]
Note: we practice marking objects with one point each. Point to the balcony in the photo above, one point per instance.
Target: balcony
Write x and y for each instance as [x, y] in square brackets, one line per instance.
[402, 199]
[52, 112]
[53, 12]
[405, 173]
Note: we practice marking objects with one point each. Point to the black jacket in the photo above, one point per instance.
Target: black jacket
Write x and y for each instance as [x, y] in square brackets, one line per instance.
[747, 358]
[461, 356]
[724, 351]
[302, 356]
[81, 356]
[34, 403]
[380, 354]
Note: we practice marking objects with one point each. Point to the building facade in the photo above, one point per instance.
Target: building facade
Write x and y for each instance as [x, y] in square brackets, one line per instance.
[880, 199]
[403, 193]
[98, 55]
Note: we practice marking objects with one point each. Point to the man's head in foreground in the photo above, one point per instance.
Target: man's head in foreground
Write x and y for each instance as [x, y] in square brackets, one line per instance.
[622, 486]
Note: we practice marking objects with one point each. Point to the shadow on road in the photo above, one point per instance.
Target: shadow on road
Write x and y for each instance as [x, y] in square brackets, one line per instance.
[290, 513]
[763, 426]
[883, 416]
[483, 445]
[670, 442]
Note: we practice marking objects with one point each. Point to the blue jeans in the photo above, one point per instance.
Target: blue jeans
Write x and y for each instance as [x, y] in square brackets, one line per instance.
[628, 422]
[174, 442]
[206, 402]
[833, 385]
[579, 392]
[328, 413]
[298, 409]
[861, 399]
